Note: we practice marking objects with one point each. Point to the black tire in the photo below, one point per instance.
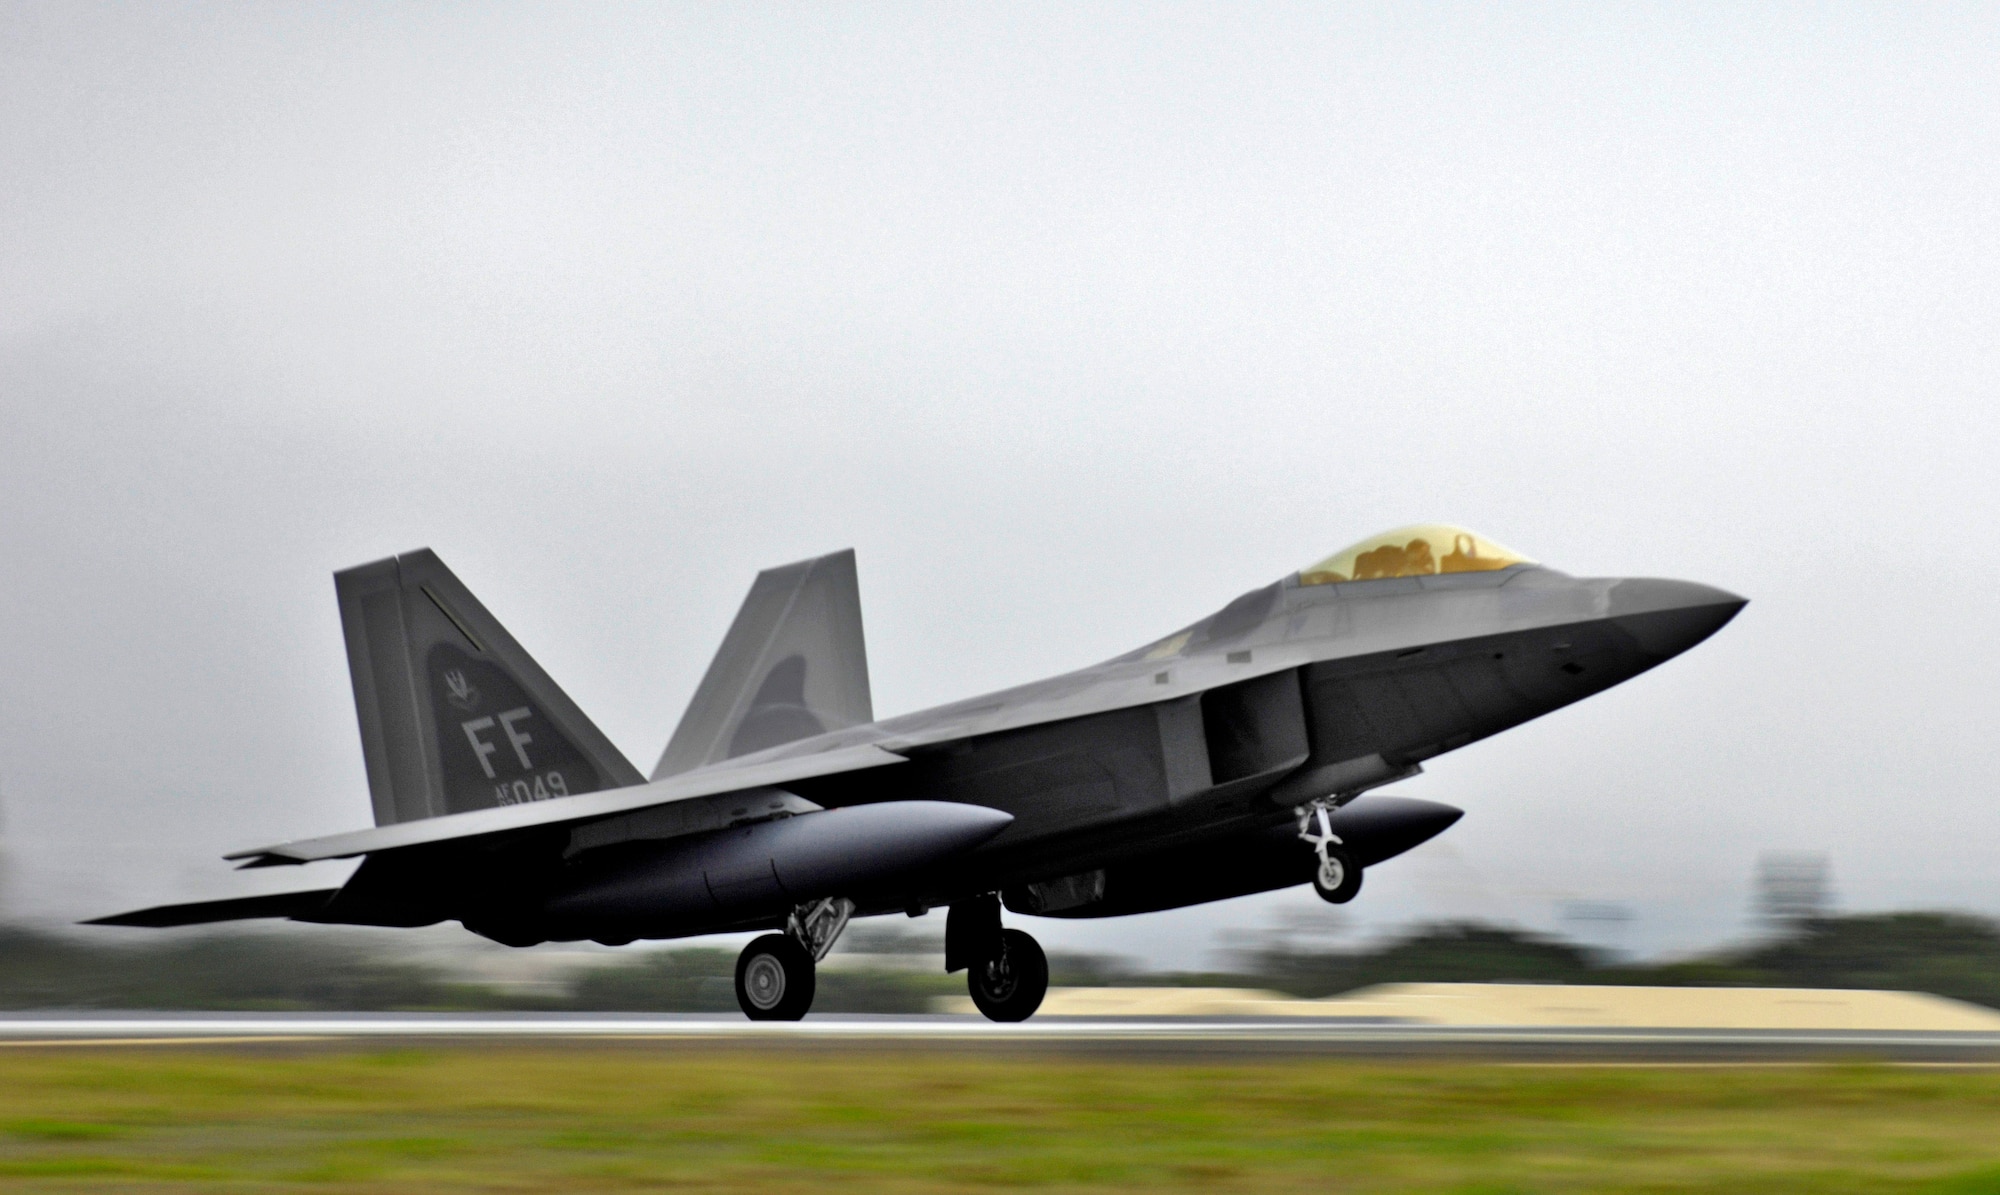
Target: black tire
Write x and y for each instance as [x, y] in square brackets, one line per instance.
[1346, 877]
[774, 979]
[1009, 984]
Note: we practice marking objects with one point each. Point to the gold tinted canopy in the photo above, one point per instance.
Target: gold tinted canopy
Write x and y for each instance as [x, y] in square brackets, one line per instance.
[1421, 550]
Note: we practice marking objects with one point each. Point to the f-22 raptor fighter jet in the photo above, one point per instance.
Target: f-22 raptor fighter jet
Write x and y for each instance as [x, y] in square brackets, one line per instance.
[1228, 758]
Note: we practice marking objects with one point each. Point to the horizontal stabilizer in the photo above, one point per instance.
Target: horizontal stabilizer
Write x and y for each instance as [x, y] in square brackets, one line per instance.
[792, 666]
[243, 908]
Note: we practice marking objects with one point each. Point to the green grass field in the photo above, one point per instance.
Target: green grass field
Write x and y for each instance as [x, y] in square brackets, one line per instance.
[657, 1117]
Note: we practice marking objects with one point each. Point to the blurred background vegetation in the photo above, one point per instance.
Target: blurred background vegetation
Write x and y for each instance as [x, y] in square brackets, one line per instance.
[886, 966]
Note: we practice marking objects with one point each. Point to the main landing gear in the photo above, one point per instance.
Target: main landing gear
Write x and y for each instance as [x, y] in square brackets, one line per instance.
[1006, 972]
[1337, 879]
[1009, 983]
[776, 974]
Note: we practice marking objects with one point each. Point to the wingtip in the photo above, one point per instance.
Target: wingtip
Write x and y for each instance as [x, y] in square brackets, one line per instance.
[264, 859]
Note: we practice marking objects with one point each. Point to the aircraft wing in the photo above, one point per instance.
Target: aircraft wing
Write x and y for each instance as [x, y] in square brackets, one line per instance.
[242, 908]
[704, 782]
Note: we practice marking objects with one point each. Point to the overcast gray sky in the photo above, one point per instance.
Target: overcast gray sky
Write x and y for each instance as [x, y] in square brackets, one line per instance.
[1075, 321]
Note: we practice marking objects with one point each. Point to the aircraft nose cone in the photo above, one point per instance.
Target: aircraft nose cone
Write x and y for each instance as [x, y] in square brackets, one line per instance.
[1668, 617]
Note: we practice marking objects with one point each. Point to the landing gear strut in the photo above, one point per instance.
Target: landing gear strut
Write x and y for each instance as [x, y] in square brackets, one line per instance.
[1337, 879]
[817, 926]
[776, 975]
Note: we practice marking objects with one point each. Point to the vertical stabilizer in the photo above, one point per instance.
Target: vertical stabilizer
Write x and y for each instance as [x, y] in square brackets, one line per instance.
[792, 666]
[455, 715]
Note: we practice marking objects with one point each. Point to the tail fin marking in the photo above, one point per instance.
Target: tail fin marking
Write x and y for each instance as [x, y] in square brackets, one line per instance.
[455, 715]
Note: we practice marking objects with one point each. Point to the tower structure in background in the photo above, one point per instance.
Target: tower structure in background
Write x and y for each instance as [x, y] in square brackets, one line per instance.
[1601, 925]
[5, 908]
[1793, 887]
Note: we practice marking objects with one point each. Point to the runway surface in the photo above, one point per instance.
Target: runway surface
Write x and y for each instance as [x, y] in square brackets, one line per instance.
[1241, 1036]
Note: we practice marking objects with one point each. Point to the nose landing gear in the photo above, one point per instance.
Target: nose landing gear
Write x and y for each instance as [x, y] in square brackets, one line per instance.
[1337, 879]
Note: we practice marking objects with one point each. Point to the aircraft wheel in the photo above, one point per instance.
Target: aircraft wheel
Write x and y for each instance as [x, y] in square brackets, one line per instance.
[1009, 984]
[1338, 877]
[774, 979]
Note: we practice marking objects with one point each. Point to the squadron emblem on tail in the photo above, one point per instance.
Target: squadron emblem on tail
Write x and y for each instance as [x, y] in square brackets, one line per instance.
[460, 692]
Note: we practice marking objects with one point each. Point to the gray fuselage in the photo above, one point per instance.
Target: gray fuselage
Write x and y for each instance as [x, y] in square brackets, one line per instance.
[1169, 776]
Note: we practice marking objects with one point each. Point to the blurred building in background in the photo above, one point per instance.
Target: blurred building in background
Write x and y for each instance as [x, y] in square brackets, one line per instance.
[1792, 888]
[1601, 925]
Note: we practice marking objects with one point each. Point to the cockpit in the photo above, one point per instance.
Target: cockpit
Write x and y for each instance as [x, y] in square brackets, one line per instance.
[1420, 550]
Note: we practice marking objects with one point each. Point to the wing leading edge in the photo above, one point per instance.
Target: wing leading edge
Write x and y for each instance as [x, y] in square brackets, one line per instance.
[588, 807]
[298, 905]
